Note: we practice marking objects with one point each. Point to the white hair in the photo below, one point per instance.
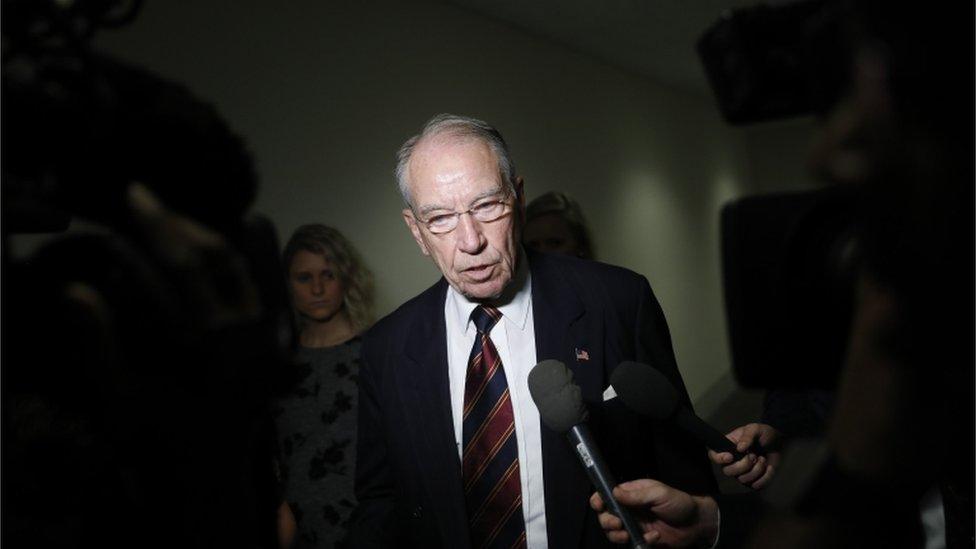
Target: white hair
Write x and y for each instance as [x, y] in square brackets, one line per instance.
[460, 128]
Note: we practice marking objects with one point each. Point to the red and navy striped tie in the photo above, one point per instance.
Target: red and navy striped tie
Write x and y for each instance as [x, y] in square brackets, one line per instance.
[492, 486]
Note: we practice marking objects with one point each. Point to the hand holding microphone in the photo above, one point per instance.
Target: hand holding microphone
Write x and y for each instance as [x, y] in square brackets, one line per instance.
[646, 391]
[752, 474]
[561, 408]
[668, 516]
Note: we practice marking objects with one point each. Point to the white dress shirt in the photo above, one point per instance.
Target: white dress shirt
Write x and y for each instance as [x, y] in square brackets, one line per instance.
[514, 337]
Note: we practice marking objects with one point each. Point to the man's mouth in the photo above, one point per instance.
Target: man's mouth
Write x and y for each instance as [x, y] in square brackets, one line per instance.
[479, 272]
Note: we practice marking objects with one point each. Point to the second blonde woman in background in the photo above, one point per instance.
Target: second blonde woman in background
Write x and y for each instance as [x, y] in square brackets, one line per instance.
[554, 224]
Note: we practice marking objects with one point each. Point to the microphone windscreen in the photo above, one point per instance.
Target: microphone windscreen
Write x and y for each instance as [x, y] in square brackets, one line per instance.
[644, 389]
[558, 399]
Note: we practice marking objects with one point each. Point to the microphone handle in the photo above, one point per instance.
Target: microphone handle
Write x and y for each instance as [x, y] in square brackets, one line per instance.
[710, 436]
[589, 454]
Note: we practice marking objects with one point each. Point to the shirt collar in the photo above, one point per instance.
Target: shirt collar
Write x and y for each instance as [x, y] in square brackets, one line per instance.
[514, 309]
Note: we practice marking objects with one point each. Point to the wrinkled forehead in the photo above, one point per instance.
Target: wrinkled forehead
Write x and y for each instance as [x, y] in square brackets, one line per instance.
[454, 164]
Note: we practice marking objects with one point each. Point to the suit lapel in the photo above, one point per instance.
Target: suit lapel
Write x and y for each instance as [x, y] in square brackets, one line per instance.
[427, 391]
[562, 332]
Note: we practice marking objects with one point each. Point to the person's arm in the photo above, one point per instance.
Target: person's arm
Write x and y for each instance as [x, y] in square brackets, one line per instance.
[672, 518]
[667, 516]
[372, 522]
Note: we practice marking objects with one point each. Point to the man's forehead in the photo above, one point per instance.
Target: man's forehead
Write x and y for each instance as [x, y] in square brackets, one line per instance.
[454, 165]
[447, 148]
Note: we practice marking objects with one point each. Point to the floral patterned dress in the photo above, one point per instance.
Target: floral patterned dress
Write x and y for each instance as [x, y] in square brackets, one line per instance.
[316, 424]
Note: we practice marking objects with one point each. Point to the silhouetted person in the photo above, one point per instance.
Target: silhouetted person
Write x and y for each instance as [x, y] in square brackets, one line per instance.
[138, 355]
[902, 136]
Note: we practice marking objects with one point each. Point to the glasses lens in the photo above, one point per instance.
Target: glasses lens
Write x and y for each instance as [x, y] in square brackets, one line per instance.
[485, 212]
[490, 211]
[442, 223]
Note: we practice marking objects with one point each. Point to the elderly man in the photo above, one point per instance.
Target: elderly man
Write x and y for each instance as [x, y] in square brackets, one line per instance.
[451, 451]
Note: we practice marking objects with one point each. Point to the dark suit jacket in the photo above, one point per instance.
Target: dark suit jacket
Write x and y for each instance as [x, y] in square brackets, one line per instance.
[408, 478]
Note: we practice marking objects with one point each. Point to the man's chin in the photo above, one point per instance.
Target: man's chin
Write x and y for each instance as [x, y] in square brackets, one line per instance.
[486, 290]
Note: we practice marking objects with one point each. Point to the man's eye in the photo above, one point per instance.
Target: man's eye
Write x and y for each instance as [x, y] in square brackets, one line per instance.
[487, 211]
[440, 220]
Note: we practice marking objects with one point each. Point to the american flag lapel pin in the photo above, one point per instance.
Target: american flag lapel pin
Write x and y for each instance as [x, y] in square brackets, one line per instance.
[582, 355]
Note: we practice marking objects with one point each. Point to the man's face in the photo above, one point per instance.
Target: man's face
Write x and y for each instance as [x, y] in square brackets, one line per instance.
[477, 258]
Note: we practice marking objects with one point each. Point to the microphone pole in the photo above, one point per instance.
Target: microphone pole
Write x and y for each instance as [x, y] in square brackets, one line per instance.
[561, 408]
[579, 437]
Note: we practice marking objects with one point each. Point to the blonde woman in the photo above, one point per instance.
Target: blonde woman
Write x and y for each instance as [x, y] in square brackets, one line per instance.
[332, 296]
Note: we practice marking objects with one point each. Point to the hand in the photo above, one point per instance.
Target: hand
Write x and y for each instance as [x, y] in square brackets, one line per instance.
[287, 528]
[666, 515]
[753, 471]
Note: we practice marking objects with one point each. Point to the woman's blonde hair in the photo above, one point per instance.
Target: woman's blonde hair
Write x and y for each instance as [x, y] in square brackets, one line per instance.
[569, 210]
[357, 280]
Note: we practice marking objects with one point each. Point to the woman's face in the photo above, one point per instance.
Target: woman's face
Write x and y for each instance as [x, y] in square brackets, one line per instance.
[316, 290]
[552, 234]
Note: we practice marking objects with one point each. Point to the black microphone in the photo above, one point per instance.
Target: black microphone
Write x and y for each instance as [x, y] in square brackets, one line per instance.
[646, 391]
[561, 407]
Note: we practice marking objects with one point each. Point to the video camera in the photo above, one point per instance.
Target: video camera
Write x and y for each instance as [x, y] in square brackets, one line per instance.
[788, 259]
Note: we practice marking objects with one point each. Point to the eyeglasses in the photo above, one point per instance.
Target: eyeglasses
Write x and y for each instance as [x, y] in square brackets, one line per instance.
[485, 212]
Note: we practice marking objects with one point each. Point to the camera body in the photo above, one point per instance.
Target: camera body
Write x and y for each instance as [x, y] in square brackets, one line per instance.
[771, 62]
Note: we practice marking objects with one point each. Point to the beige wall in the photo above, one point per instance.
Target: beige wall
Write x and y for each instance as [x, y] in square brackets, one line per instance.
[324, 93]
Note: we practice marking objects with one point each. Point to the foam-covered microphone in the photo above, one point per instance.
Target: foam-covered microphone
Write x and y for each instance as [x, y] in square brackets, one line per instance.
[645, 390]
[561, 407]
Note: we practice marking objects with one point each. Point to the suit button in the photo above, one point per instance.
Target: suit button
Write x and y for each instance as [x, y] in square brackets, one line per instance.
[417, 512]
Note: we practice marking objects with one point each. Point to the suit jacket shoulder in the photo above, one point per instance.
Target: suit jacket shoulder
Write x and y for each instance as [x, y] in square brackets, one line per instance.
[393, 329]
[621, 313]
[626, 303]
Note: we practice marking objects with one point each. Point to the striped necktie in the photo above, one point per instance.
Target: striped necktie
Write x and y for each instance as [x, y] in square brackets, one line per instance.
[490, 467]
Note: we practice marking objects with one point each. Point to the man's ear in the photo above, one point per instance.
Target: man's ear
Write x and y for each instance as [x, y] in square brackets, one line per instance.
[411, 222]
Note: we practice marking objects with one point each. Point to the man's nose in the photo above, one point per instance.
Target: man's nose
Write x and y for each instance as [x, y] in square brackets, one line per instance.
[469, 234]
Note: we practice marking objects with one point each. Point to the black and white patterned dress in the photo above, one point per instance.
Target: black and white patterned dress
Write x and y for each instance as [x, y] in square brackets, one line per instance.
[316, 424]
